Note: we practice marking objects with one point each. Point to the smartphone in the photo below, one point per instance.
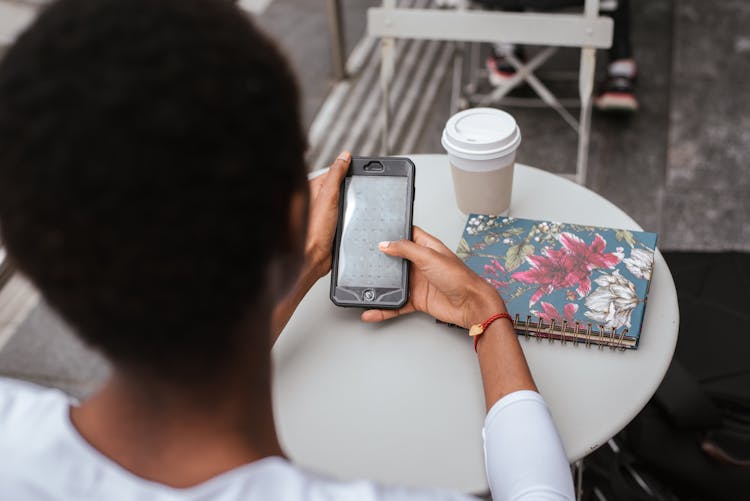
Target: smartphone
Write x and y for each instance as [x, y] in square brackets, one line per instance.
[376, 204]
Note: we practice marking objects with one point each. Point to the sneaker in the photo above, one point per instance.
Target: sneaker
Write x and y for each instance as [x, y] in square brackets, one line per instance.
[499, 69]
[617, 92]
[448, 4]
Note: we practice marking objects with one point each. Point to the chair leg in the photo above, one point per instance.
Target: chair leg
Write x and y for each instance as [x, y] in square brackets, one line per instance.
[459, 49]
[336, 33]
[578, 478]
[585, 88]
[386, 72]
[584, 130]
[474, 48]
[387, 63]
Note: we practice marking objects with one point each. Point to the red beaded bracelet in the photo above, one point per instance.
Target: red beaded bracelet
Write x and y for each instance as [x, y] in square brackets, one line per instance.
[478, 329]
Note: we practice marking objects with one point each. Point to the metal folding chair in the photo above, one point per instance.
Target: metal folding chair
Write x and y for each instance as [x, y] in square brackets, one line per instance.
[588, 31]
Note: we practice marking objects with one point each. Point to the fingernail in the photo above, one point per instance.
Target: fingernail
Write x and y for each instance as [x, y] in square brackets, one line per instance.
[384, 245]
[344, 155]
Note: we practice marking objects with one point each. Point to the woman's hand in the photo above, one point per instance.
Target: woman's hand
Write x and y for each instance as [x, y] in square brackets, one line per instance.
[321, 225]
[440, 284]
[447, 289]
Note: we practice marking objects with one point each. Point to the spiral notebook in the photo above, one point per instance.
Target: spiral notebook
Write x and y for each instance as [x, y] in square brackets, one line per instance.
[565, 282]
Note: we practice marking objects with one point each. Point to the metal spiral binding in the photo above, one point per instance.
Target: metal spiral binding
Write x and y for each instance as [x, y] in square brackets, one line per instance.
[577, 333]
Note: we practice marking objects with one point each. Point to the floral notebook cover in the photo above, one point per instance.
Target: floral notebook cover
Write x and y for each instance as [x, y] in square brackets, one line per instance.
[563, 281]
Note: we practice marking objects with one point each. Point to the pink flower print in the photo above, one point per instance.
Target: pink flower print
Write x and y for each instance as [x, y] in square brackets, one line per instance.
[493, 267]
[479, 246]
[570, 266]
[492, 272]
[550, 271]
[550, 313]
[581, 259]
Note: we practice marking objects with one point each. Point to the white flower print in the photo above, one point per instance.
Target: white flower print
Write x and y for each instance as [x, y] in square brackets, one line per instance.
[640, 263]
[612, 303]
[620, 253]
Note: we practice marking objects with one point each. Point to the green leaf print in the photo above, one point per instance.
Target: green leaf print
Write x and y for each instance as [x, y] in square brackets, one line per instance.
[621, 235]
[463, 251]
[516, 255]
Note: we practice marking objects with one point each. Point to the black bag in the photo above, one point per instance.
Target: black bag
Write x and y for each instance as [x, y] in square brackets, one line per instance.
[684, 445]
[699, 443]
[692, 440]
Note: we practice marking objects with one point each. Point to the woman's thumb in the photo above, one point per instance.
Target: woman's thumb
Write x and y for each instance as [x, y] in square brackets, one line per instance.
[406, 249]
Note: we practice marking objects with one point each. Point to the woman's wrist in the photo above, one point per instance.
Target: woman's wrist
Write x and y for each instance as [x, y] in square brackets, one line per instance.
[317, 262]
[306, 278]
[501, 330]
[487, 302]
[311, 272]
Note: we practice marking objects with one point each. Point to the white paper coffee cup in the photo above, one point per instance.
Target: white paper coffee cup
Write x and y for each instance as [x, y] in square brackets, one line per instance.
[481, 144]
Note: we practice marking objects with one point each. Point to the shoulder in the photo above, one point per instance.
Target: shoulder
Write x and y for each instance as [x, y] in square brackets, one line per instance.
[31, 424]
[24, 406]
[300, 484]
[15, 395]
[33, 431]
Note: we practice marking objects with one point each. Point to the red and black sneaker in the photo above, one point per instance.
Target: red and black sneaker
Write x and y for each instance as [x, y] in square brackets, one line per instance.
[499, 69]
[617, 92]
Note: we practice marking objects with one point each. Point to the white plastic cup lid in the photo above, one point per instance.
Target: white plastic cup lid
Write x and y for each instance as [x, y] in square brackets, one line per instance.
[481, 134]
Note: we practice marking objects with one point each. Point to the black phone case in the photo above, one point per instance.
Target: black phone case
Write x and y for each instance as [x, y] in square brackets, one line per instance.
[374, 297]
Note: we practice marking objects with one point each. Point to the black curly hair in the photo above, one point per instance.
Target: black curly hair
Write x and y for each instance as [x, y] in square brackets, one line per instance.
[149, 150]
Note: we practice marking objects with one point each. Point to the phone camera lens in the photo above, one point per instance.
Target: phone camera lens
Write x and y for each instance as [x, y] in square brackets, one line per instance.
[369, 295]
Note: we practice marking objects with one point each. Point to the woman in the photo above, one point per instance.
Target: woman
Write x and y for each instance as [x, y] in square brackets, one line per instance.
[152, 186]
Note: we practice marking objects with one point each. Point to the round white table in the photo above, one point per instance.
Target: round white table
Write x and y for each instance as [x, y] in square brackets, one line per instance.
[401, 402]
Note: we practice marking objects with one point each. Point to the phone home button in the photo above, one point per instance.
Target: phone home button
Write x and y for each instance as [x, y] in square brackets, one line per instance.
[368, 294]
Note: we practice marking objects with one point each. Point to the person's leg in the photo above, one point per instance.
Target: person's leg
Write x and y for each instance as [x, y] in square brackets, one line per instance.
[499, 69]
[621, 47]
[617, 91]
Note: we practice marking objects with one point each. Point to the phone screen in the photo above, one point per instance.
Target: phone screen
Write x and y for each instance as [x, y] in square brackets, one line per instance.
[374, 211]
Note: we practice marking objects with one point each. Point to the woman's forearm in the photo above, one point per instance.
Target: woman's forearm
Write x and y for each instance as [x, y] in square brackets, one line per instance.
[523, 452]
[284, 310]
[524, 455]
[502, 362]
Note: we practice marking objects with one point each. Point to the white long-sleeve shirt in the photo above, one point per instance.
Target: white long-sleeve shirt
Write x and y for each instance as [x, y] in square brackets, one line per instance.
[43, 457]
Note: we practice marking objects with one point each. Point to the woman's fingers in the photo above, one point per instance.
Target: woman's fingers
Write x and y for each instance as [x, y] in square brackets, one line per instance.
[424, 251]
[421, 237]
[381, 315]
[417, 254]
[330, 178]
[378, 315]
[330, 184]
